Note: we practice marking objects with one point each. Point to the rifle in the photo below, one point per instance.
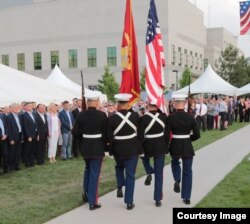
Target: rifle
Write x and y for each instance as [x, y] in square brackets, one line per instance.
[84, 106]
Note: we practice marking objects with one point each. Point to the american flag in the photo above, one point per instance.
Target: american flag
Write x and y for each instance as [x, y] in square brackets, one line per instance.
[155, 60]
[244, 17]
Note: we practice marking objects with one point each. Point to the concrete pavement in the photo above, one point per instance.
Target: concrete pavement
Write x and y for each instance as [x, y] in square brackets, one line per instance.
[211, 164]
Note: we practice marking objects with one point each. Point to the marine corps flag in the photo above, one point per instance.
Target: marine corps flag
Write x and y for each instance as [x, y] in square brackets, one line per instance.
[130, 72]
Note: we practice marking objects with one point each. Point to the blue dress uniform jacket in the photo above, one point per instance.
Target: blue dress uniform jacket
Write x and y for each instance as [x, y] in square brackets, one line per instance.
[184, 130]
[154, 146]
[182, 123]
[90, 127]
[91, 122]
[124, 148]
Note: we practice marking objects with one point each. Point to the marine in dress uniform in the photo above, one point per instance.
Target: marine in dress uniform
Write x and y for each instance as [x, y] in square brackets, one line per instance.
[154, 137]
[90, 126]
[125, 146]
[184, 130]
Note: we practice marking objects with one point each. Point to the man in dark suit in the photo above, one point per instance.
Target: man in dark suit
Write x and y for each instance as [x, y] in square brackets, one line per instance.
[90, 126]
[31, 136]
[184, 130]
[67, 122]
[76, 144]
[14, 137]
[125, 146]
[154, 138]
[42, 128]
[3, 142]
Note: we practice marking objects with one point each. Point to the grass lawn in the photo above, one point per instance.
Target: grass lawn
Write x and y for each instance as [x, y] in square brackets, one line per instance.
[41, 193]
[233, 191]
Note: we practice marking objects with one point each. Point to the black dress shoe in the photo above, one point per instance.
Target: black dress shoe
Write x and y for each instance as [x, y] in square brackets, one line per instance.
[187, 201]
[94, 207]
[84, 197]
[130, 206]
[119, 193]
[158, 203]
[177, 187]
[148, 180]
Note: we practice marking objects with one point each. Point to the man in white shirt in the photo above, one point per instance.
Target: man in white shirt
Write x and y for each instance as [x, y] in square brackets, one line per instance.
[201, 112]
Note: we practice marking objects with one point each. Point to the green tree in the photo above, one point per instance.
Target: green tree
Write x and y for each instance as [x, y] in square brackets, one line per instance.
[186, 76]
[108, 85]
[233, 67]
[240, 76]
[142, 80]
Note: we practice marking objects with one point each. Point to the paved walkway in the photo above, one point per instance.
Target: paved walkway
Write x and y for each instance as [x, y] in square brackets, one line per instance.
[211, 164]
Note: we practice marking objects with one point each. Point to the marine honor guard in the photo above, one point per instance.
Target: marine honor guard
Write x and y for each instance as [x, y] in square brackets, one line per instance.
[154, 137]
[184, 130]
[90, 126]
[124, 146]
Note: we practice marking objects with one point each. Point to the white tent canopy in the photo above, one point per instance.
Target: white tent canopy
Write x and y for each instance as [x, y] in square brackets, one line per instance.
[243, 90]
[57, 77]
[210, 82]
[17, 86]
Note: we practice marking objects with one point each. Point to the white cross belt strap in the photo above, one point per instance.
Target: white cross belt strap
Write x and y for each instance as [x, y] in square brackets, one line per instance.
[181, 136]
[154, 119]
[92, 136]
[154, 135]
[124, 120]
[125, 137]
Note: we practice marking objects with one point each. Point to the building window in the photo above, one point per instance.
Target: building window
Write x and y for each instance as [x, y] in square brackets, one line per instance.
[205, 63]
[73, 58]
[201, 61]
[196, 60]
[186, 57]
[111, 56]
[37, 60]
[173, 54]
[92, 87]
[180, 57]
[54, 58]
[21, 61]
[5, 59]
[216, 63]
[91, 57]
[192, 59]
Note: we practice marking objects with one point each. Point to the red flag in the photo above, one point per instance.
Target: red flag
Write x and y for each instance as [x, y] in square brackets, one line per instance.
[155, 60]
[130, 71]
[244, 17]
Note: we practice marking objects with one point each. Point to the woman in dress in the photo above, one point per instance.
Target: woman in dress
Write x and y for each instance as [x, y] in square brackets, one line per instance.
[54, 131]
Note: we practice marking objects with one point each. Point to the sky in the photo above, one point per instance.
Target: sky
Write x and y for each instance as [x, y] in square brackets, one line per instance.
[223, 13]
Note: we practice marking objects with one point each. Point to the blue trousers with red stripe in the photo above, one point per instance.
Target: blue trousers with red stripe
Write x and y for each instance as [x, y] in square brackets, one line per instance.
[91, 179]
[158, 170]
[186, 174]
[125, 176]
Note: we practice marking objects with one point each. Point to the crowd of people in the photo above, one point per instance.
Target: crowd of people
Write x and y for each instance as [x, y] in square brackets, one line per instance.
[29, 132]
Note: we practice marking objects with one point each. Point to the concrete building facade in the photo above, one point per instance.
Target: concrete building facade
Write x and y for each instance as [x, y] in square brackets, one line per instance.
[218, 39]
[86, 35]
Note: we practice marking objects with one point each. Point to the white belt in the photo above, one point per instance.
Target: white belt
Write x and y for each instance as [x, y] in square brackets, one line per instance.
[125, 137]
[154, 135]
[92, 136]
[180, 136]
